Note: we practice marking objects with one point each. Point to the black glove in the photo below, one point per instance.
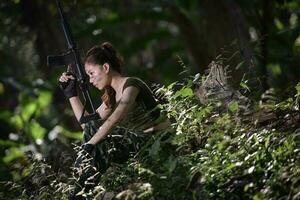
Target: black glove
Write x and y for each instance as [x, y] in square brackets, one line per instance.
[89, 148]
[69, 87]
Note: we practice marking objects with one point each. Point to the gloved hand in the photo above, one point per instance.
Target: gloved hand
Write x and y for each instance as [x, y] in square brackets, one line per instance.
[68, 84]
[89, 148]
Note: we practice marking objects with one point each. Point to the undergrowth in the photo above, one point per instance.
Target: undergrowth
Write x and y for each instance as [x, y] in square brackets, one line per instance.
[211, 152]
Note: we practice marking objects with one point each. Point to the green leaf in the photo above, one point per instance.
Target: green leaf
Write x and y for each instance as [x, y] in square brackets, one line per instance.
[7, 143]
[233, 106]
[244, 86]
[6, 115]
[13, 153]
[171, 86]
[44, 99]
[142, 170]
[189, 84]
[279, 25]
[17, 122]
[185, 92]
[28, 110]
[275, 69]
[231, 166]
[36, 130]
[298, 89]
[155, 148]
[73, 135]
[171, 164]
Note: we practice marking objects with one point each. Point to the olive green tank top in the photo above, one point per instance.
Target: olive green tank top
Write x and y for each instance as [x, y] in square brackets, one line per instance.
[144, 114]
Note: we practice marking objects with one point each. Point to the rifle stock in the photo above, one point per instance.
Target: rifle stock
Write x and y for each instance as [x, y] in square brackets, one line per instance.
[72, 58]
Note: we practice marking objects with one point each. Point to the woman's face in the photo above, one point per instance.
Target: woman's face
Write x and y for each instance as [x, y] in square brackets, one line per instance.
[98, 75]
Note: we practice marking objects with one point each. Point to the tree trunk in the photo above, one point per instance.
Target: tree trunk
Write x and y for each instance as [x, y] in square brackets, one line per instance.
[194, 39]
[227, 28]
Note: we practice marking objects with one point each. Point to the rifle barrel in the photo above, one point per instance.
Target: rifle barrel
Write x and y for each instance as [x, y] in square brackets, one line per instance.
[66, 28]
[72, 58]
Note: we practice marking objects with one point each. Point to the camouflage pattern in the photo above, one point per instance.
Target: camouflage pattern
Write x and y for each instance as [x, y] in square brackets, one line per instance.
[121, 144]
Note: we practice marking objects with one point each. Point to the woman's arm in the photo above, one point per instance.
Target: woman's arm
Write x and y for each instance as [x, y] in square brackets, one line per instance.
[67, 83]
[77, 108]
[125, 104]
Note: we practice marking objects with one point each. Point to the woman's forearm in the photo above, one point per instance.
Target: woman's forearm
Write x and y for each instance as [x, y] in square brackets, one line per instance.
[127, 101]
[108, 125]
[77, 107]
[102, 132]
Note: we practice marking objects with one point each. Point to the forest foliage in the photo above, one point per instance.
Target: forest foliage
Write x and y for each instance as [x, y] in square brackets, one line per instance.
[242, 147]
[212, 152]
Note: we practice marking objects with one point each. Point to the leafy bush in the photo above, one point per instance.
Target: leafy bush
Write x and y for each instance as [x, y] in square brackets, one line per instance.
[211, 152]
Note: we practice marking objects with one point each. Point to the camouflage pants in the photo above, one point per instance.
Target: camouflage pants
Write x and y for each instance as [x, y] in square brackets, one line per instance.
[118, 147]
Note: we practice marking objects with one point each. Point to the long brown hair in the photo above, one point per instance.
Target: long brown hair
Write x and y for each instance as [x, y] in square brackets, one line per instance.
[105, 53]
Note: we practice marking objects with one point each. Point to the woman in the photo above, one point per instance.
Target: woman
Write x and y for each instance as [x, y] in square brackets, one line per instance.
[128, 111]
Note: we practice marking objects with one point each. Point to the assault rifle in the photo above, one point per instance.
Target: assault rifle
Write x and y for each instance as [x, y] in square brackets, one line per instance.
[71, 58]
